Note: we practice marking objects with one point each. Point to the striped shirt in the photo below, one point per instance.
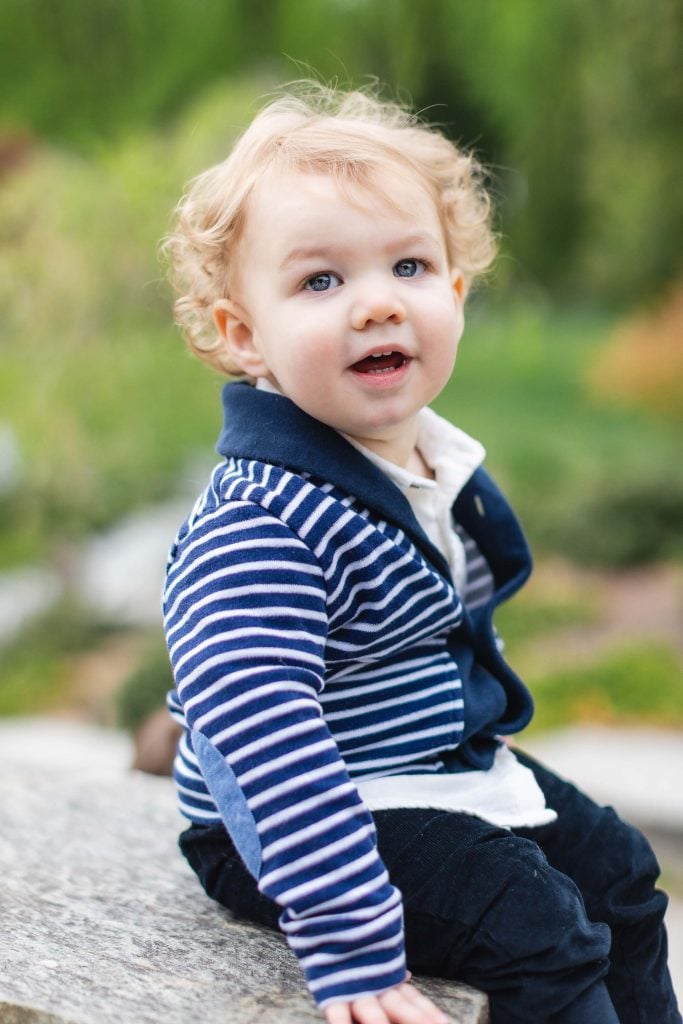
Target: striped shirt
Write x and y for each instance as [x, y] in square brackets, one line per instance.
[312, 643]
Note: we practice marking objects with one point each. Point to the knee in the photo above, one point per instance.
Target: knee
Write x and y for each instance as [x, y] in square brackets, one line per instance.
[501, 918]
[618, 874]
[502, 902]
[533, 911]
[223, 876]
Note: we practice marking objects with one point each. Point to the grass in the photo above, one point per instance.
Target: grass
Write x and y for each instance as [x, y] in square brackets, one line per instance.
[634, 685]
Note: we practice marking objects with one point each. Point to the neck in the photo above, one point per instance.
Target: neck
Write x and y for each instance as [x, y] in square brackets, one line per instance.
[401, 450]
[417, 465]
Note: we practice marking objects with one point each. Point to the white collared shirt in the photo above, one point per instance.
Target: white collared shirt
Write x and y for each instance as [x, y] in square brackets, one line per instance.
[453, 456]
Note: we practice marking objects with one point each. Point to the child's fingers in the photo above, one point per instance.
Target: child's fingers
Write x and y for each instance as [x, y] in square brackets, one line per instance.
[405, 1005]
[366, 1010]
[338, 1013]
[423, 1003]
[400, 1005]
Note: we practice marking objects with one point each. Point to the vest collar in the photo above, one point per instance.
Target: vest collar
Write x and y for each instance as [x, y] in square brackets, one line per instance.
[270, 428]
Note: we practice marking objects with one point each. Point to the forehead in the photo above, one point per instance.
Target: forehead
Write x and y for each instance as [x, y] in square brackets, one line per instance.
[294, 202]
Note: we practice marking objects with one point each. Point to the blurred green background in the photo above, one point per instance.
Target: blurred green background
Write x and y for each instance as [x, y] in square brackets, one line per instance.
[571, 370]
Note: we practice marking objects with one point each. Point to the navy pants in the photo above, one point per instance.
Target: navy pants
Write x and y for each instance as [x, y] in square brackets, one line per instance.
[560, 924]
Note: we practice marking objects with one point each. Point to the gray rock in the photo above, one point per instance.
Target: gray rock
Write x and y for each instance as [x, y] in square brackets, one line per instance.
[103, 921]
[25, 594]
[11, 462]
[120, 572]
[638, 770]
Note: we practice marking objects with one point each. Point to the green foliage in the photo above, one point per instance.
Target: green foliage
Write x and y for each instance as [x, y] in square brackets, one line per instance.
[523, 619]
[87, 334]
[108, 411]
[36, 666]
[577, 104]
[145, 690]
[90, 71]
[627, 522]
[637, 685]
[113, 104]
[584, 103]
[519, 386]
[632, 149]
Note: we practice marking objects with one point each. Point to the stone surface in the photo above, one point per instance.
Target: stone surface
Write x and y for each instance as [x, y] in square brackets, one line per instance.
[639, 771]
[101, 918]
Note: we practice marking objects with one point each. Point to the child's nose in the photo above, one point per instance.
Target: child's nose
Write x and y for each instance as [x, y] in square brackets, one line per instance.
[377, 304]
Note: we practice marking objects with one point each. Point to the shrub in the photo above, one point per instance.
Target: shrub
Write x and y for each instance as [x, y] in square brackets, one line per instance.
[636, 685]
[629, 522]
[144, 691]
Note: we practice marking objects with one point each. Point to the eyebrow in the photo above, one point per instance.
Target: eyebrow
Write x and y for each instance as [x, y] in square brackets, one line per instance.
[318, 252]
[305, 252]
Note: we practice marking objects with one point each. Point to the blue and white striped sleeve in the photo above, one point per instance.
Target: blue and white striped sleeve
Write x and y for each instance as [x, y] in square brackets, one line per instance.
[246, 627]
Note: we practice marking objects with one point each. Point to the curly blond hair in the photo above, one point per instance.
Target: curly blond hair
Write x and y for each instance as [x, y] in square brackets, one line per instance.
[353, 136]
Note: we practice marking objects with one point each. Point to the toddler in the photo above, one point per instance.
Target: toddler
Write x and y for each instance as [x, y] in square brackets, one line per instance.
[329, 602]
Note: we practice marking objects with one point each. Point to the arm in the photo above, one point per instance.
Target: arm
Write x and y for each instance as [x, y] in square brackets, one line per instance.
[246, 627]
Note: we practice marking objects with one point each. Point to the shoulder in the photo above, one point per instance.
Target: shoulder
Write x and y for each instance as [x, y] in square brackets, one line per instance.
[245, 512]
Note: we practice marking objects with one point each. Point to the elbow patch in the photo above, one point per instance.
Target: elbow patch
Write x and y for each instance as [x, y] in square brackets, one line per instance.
[230, 801]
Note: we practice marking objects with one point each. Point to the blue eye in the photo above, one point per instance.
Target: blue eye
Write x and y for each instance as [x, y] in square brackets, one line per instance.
[408, 268]
[322, 282]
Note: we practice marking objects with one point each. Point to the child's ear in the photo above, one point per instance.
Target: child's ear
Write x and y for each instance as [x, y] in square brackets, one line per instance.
[234, 327]
[459, 285]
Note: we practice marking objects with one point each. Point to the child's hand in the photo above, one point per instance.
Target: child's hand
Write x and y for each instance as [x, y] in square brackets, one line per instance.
[400, 1005]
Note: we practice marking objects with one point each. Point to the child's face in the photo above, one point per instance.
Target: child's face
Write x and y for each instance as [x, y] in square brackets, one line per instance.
[349, 307]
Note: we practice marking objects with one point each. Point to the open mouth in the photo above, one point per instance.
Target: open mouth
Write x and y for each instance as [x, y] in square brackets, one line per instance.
[381, 362]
